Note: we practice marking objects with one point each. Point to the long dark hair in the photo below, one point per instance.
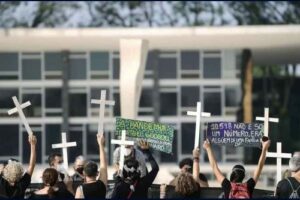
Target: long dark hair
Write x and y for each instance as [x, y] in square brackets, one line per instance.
[238, 174]
[50, 177]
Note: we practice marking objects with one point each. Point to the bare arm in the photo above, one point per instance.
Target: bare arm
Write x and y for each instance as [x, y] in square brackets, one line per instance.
[32, 161]
[78, 194]
[196, 166]
[103, 163]
[262, 159]
[220, 177]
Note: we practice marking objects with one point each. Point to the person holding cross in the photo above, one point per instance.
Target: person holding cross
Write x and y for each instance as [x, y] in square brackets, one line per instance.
[130, 184]
[235, 188]
[289, 187]
[13, 180]
[95, 184]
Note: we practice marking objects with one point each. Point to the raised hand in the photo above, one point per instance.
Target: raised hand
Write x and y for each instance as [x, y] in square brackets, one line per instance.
[196, 153]
[266, 144]
[206, 144]
[100, 139]
[32, 140]
[144, 145]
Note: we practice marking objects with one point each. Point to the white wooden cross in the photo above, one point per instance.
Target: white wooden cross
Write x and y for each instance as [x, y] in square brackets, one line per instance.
[102, 102]
[198, 115]
[123, 142]
[64, 145]
[266, 120]
[279, 155]
[18, 109]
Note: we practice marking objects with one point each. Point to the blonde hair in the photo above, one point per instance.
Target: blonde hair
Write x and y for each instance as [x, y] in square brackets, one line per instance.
[13, 171]
[185, 184]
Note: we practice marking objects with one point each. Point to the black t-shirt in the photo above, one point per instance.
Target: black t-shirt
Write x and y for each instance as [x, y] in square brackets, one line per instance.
[226, 186]
[94, 190]
[16, 191]
[284, 189]
[60, 193]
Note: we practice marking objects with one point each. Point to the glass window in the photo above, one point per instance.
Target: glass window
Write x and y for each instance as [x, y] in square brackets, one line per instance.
[75, 136]
[212, 103]
[78, 101]
[188, 136]
[232, 96]
[117, 107]
[116, 68]
[78, 68]
[8, 61]
[53, 98]
[190, 96]
[26, 147]
[10, 138]
[99, 60]
[6, 101]
[53, 136]
[53, 61]
[212, 67]
[146, 98]
[31, 69]
[168, 103]
[92, 145]
[167, 68]
[190, 60]
[165, 157]
[35, 110]
[150, 61]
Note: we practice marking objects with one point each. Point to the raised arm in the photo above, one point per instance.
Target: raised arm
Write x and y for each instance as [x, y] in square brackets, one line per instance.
[103, 163]
[32, 142]
[196, 166]
[220, 177]
[262, 159]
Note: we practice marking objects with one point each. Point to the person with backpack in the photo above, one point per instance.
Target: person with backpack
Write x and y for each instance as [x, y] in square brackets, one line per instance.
[289, 187]
[235, 188]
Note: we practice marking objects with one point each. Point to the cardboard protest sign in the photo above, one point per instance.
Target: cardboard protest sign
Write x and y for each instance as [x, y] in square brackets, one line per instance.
[235, 134]
[159, 136]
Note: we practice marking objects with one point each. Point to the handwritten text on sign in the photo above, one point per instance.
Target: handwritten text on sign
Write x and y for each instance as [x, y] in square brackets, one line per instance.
[159, 136]
[235, 134]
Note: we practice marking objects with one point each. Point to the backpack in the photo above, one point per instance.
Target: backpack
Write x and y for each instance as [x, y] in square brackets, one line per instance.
[294, 194]
[239, 191]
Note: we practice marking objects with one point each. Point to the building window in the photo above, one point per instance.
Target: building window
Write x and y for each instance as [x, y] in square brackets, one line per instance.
[190, 64]
[75, 135]
[212, 103]
[53, 136]
[78, 100]
[187, 137]
[212, 67]
[117, 107]
[10, 138]
[53, 100]
[116, 68]
[9, 66]
[190, 95]
[99, 65]
[168, 103]
[53, 65]
[232, 99]
[78, 69]
[6, 102]
[149, 64]
[31, 69]
[146, 102]
[167, 66]
[35, 97]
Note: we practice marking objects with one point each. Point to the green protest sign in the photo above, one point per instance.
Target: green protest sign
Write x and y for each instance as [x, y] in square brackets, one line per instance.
[159, 136]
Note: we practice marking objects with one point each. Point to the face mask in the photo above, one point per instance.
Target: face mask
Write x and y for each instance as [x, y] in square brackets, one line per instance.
[60, 168]
[127, 151]
[80, 170]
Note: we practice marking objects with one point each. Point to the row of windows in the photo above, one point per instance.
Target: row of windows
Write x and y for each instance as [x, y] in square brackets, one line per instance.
[106, 65]
[84, 135]
[173, 101]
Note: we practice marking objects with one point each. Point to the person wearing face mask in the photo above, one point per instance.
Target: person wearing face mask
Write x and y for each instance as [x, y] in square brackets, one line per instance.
[130, 153]
[78, 177]
[55, 161]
